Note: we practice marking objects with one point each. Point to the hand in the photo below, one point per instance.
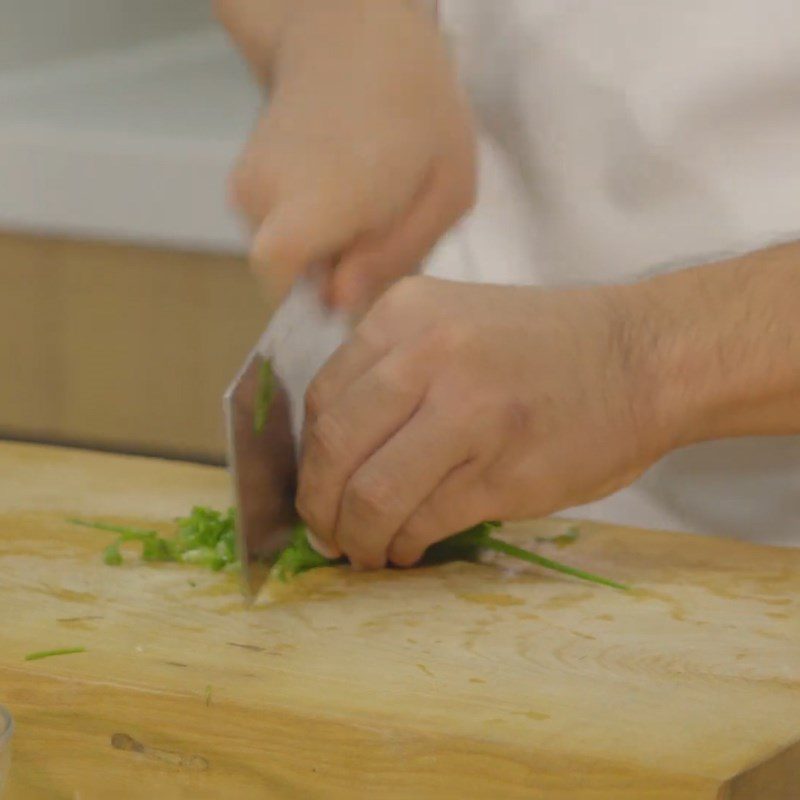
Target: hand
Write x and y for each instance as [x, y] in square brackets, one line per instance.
[456, 403]
[365, 156]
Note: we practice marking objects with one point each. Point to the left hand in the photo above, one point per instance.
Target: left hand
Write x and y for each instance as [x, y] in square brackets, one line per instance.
[455, 403]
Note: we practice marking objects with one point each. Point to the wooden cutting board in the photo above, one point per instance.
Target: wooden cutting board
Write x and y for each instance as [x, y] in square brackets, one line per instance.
[465, 681]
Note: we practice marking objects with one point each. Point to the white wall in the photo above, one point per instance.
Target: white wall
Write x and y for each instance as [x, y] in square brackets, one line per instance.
[33, 31]
[120, 119]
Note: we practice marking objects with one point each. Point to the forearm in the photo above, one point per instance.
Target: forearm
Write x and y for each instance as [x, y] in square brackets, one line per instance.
[720, 346]
[263, 30]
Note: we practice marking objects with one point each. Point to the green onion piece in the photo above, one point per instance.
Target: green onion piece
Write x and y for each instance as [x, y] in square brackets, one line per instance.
[64, 651]
[205, 537]
[490, 543]
[112, 555]
[299, 556]
[120, 529]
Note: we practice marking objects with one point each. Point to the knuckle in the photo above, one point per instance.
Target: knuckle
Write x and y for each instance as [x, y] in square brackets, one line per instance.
[403, 294]
[494, 496]
[249, 186]
[369, 561]
[447, 336]
[278, 248]
[410, 287]
[363, 554]
[316, 399]
[405, 556]
[410, 545]
[256, 261]
[417, 535]
[365, 335]
[393, 380]
[370, 496]
[326, 438]
[306, 508]
[424, 527]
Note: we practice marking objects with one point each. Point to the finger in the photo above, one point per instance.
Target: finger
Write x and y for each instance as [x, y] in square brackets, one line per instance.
[246, 197]
[457, 503]
[352, 359]
[251, 184]
[389, 486]
[292, 237]
[346, 433]
[368, 267]
[409, 312]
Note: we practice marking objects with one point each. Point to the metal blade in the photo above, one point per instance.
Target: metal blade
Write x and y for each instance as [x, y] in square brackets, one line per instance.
[264, 470]
[300, 337]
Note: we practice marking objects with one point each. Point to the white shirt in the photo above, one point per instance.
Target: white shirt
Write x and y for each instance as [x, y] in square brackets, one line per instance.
[623, 136]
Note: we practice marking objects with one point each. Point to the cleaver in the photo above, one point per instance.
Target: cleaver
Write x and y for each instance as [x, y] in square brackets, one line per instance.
[263, 439]
[300, 337]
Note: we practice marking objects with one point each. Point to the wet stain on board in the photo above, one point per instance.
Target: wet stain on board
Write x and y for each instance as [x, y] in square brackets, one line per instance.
[192, 762]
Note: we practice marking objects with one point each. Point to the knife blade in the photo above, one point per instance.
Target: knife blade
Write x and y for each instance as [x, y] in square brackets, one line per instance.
[262, 460]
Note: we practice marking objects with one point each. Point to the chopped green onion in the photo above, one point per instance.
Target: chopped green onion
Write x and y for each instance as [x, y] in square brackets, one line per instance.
[206, 537]
[64, 651]
[299, 556]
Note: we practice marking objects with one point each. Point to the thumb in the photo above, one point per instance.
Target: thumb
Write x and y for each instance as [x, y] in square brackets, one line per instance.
[291, 238]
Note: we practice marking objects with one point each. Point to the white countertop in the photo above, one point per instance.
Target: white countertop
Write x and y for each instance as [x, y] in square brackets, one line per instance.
[133, 143]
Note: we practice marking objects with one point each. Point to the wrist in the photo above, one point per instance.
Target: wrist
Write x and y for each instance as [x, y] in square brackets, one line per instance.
[640, 338]
[669, 381]
[715, 348]
[330, 30]
[676, 340]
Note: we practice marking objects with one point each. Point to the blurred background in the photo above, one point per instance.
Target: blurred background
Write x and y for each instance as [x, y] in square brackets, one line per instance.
[125, 301]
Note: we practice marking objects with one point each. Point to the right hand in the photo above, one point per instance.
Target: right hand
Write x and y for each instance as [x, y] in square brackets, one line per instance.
[366, 155]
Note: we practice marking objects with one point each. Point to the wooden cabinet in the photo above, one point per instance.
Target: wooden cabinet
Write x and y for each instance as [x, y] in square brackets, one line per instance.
[121, 127]
[121, 347]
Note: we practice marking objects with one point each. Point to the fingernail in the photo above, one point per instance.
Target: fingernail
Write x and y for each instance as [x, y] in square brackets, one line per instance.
[323, 548]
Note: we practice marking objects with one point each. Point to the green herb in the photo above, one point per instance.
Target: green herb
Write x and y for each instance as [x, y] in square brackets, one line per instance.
[490, 543]
[465, 546]
[206, 537]
[112, 555]
[264, 395]
[123, 530]
[468, 545]
[299, 556]
[208, 695]
[64, 651]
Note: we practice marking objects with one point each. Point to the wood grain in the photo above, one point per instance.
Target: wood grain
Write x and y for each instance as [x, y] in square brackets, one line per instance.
[121, 346]
[466, 681]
